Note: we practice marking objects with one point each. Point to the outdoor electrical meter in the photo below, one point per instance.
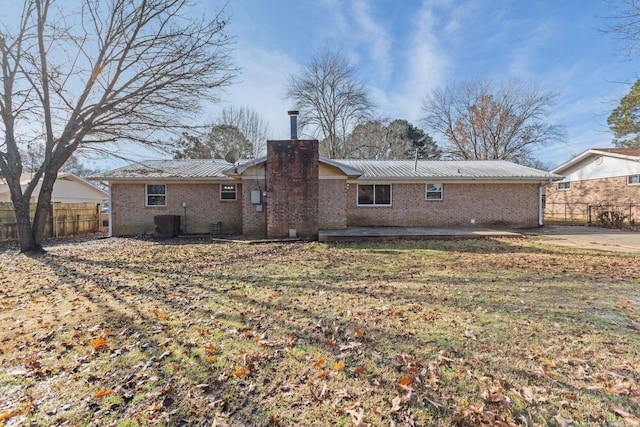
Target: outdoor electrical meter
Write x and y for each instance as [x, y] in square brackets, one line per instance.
[256, 198]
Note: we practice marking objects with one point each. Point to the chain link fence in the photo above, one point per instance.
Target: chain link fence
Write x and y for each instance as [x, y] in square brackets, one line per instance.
[613, 215]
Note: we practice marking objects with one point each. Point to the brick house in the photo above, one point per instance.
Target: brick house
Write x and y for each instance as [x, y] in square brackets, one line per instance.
[599, 176]
[295, 192]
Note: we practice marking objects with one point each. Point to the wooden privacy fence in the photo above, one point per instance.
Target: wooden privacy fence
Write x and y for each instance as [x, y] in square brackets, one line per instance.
[64, 219]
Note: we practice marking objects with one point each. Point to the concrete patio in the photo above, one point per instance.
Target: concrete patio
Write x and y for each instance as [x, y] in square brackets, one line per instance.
[384, 233]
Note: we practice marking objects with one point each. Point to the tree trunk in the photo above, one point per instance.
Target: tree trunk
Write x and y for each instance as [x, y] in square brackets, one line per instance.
[42, 209]
[23, 219]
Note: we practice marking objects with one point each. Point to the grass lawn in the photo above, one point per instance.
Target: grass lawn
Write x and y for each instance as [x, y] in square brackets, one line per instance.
[471, 332]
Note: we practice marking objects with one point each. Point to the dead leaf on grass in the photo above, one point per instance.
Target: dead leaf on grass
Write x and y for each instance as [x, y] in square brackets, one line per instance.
[103, 392]
[11, 414]
[563, 422]
[629, 418]
[357, 417]
[405, 382]
[395, 404]
[549, 363]
[241, 372]
[323, 374]
[99, 344]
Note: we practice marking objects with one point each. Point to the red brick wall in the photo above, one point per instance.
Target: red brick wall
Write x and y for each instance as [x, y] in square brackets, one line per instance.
[595, 191]
[332, 204]
[254, 223]
[130, 216]
[514, 205]
[292, 188]
[573, 203]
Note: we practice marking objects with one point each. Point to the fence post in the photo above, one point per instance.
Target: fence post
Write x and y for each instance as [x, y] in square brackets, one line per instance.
[588, 214]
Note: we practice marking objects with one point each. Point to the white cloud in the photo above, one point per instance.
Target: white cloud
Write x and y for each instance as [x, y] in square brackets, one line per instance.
[376, 39]
[426, 66]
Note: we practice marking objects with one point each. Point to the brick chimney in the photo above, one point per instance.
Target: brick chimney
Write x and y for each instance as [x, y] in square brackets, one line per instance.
[292, 186]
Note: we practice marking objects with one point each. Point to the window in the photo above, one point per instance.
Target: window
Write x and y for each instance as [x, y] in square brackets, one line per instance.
[434, 192]
[374, 195]
[227, 192]
[633, 179]
[156, 195]
[564, 185]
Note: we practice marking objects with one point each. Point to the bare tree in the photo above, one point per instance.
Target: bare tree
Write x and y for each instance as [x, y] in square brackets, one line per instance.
[624, 24]
[254, 129]
[330, 99]
[98, 72]
[481, 120]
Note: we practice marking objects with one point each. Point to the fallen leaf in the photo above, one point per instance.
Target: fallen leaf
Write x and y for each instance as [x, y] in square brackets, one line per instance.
[395, 404]
[319, 363]
[339, 366]
[323, 374]
[160, 314]
[563, 422]
[7, 415]
[548, 363]
[103, 392]
[240, 372]
[405, 382]
[99, 344]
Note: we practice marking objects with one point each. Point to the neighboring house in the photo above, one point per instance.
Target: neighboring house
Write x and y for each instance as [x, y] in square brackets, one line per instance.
[68, 188]
[294, 192]
[599, 176]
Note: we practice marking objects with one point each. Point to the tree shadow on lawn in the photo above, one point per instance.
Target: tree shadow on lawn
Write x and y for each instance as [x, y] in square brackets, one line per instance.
[234, 306]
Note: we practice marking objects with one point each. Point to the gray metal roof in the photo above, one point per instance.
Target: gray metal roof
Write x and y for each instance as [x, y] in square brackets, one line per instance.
[389, 170]
[446, 169]
[349, 171]
[169, 169]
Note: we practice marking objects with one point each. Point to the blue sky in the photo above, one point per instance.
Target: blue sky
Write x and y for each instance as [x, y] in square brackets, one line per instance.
[403, 49]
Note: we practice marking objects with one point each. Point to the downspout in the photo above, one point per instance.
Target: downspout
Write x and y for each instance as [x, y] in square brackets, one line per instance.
[540, 207]
[540, 210]
[110, 214]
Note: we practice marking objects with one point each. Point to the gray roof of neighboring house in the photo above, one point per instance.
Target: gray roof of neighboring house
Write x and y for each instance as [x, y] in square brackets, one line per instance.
[169, 169]
[362, 169]
[446, 169]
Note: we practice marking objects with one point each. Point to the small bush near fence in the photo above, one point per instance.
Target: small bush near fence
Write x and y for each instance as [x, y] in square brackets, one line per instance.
[65, 219]
[613, 216]
[610, 215]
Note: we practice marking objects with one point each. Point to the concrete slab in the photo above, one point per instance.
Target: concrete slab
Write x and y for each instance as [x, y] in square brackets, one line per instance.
[384, 233]
[585, 237]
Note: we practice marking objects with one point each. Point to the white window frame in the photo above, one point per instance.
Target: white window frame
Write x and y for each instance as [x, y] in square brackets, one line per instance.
[564, 186]
[235, 192]
[635, 178]
[147, 195]
[427, 191]
[374, 204]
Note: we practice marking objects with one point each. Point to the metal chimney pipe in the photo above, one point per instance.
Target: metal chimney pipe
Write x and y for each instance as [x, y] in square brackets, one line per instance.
[293, 114]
